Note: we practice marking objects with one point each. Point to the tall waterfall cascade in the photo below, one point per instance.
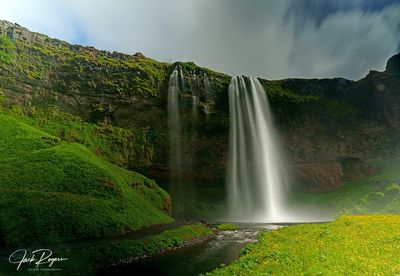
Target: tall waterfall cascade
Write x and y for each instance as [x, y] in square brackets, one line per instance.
[256, 173]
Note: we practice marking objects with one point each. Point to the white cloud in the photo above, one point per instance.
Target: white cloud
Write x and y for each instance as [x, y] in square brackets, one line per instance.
[274, 39]
[52, 18]
[347, 44]
[156, 28]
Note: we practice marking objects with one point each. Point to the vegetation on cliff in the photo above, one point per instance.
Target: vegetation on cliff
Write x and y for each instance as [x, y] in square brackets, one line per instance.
[53, 64]
[129, 148]
[39, 60]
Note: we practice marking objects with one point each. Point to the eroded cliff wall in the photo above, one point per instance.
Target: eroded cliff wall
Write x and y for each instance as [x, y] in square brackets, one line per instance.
[329, 127]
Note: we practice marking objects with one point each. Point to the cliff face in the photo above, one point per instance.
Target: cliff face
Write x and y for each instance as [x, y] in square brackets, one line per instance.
[348, 123]
[128, 90]
[329, 127]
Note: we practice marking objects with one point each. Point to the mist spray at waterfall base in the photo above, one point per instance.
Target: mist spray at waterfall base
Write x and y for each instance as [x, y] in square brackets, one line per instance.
[257, 178]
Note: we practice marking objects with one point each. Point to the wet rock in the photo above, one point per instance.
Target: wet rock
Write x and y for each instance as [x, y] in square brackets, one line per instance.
[319, 177]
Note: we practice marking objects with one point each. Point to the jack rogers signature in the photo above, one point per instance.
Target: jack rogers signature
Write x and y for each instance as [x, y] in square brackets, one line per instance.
[37, 257]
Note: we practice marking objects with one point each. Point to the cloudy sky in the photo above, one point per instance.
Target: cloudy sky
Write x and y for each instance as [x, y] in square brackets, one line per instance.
[269, 38]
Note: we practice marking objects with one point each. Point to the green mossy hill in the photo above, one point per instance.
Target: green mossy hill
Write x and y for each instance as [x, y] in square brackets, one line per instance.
[352, 245]
[53, 191]
[131, 148]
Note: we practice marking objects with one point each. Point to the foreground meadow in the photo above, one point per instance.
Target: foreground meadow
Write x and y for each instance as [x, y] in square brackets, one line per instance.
[351, 245]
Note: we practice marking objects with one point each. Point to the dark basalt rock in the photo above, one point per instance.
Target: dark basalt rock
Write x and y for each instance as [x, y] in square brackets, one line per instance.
[139, 55]
[393, 64]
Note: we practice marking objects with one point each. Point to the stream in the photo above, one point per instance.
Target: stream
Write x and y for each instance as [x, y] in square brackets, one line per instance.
[224, 247]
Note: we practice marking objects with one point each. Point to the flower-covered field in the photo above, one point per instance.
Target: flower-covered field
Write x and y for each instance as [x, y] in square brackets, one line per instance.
[351, 245]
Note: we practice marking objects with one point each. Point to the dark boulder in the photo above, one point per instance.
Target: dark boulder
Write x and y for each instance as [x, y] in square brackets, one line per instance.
[393, 64]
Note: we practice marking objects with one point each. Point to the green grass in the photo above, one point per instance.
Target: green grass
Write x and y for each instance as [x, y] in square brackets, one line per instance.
[6, 51]
[129, 148]
[352, 245]
[54, 191]
[227, 226]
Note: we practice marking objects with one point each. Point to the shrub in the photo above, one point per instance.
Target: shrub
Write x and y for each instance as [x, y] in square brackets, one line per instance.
[372, 198]
[392, 189]
[2, 98]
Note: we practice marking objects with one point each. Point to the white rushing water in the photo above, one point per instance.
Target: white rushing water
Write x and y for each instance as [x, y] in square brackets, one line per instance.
[256, 174]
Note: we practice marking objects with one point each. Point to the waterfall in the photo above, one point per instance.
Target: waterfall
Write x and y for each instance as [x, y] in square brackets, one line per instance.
[181, 75]
[180, 129]
[207, 94]
[182, 117]
[195, 107]
[207, 86]
[174, 122]
[256, 175]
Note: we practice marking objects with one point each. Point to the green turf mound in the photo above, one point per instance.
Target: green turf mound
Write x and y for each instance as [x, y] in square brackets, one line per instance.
[54, 191]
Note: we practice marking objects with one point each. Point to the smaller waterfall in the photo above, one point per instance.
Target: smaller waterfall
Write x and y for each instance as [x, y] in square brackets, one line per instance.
[174, 122]
[183, 104]
[256, 175]
[182, 79]
[195, 107]
[207, 93]
[194, 78]
[181, 128]
[207, 86]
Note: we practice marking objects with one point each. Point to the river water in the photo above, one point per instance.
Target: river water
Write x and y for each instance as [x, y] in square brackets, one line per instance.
[223, 248]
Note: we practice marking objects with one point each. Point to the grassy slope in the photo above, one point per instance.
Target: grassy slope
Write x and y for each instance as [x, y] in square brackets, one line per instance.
[124, 147]
[55, 191]
[352, 245]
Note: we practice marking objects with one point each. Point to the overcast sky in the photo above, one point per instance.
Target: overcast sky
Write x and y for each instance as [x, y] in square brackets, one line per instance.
[273, 39]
